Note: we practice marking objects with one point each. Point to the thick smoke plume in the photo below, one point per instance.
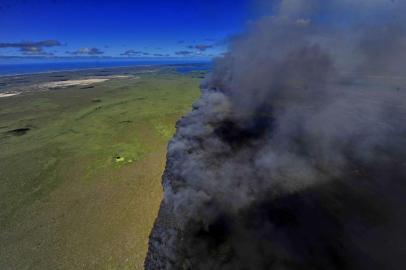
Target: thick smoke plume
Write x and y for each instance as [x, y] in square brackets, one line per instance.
[294, 157]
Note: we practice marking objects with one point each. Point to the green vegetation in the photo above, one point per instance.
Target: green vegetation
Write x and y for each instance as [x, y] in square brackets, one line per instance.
[80, 170]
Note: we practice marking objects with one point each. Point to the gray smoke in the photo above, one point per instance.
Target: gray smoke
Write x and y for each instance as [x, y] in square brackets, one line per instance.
[294, 157]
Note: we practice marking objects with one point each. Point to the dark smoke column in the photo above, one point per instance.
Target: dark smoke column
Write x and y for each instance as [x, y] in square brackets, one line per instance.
[294, 157]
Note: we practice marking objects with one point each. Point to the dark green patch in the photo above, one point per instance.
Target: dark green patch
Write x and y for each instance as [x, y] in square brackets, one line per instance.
[19, 131]
[87, 87]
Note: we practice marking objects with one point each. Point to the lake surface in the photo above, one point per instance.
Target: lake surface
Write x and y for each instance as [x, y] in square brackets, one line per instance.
[186, 69]
[32, 68]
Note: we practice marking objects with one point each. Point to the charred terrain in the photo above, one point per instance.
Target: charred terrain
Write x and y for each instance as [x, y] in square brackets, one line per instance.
[294, 157]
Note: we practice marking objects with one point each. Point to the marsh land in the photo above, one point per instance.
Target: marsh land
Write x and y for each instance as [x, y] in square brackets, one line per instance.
[81, 159]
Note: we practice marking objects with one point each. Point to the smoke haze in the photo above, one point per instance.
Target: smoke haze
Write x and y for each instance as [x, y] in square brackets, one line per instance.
[294, 157]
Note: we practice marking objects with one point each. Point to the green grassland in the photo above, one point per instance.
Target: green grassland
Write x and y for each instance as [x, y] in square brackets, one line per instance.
[80, 186]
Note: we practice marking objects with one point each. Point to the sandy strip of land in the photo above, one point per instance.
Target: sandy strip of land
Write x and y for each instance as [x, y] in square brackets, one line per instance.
[51, 85]
[84, 82]
[2, 95]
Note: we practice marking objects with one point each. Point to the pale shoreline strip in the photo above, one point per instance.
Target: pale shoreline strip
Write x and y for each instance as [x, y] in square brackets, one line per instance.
[3, 95]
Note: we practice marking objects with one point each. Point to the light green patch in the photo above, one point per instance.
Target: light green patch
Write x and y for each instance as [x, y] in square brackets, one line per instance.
[119, 159]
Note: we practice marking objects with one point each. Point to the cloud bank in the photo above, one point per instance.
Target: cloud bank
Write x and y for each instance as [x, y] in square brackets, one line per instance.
[201, 47]
[184, 53]
[32, 48]
[132, 53]
[87, 52]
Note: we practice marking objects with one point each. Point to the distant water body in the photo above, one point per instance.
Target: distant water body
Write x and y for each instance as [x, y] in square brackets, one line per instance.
[33, 68]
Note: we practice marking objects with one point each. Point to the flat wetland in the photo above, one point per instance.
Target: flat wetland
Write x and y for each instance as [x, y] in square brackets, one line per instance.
[81, 164]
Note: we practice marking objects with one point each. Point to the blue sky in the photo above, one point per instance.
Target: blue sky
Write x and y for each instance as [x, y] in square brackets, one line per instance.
[120, 28]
